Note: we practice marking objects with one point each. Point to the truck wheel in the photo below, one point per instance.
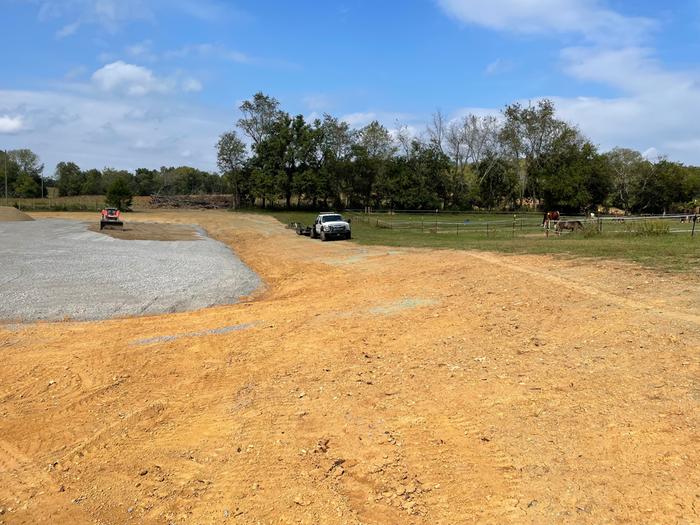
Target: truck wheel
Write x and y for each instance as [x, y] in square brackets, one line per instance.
[323, 236]
[348, 236]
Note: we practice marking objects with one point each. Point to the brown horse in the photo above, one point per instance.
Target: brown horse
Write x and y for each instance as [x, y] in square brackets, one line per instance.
[550, 216]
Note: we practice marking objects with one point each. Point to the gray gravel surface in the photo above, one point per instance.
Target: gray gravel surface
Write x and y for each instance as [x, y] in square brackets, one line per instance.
[55, 269]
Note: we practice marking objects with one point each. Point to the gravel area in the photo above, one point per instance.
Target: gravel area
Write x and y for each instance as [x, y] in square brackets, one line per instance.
[55, 269]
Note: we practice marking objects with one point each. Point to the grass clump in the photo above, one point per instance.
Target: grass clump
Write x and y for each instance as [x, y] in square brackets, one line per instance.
[648, 228]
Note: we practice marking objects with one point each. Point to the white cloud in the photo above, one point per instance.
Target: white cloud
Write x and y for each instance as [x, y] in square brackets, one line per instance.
[584, 17]
[317, 102]
[498, 66]
[130, 79]
[10, 124]
[68, 29]
[211, 51]
[142, 51]
[357, 120]
[101, 129]
[653, 109]
[112, 15]
[191, 85]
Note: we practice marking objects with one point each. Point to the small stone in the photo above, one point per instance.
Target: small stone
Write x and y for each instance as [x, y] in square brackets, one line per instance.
[130, 510]
[226, 513]
[2, 511]
[61, 488]
[52, 382]
[143, 472]
[300, 501]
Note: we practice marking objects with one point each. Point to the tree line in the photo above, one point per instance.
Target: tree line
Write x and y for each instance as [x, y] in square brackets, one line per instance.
[525, 158]
[25, 179]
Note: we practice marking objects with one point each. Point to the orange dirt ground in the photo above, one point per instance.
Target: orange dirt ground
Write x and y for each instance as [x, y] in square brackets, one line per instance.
[367, 385]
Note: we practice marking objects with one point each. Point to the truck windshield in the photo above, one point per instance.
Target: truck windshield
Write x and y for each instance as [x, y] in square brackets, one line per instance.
[330, 218]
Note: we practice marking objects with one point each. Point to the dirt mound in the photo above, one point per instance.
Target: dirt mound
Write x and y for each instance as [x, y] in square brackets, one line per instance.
[9, 214]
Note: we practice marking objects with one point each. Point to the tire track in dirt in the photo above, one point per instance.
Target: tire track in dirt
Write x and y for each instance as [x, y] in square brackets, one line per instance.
[26, 489]
[588, 289]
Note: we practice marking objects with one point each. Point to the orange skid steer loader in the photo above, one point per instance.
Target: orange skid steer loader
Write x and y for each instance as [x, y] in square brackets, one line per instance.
[111, 217]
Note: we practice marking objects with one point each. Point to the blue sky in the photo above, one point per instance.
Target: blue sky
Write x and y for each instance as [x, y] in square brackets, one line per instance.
[131, 83]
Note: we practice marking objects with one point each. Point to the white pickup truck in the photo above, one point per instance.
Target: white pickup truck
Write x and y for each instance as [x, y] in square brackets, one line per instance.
[330, 226]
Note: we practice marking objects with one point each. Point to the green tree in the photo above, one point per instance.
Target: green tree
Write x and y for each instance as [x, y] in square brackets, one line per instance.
[660, 187]
[119, 194]
[231, 159]
[26, 186]
[626, 167]
[92, 183]
[147, 181]
[529, 134]
[69, 179]
[574, 177]
[259, 116]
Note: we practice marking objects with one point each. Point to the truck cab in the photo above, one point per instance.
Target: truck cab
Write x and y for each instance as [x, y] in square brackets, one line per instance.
[330, 226]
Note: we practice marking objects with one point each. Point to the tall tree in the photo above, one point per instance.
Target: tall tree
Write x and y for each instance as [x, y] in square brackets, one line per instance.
[259, 116]
[627, 166]
[527, 134]
[29, 167]
[231, 158]
[69, 179]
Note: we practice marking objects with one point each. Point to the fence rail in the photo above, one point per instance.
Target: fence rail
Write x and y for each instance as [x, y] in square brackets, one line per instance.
[519, 226]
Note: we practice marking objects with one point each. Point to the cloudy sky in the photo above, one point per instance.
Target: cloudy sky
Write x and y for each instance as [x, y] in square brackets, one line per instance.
[145, 83]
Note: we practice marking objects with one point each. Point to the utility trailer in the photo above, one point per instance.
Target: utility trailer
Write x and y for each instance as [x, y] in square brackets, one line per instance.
[111, 217]
[301, 228]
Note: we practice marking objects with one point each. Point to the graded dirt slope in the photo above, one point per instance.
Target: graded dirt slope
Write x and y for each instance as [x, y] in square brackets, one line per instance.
[9, 214]
[366, 385]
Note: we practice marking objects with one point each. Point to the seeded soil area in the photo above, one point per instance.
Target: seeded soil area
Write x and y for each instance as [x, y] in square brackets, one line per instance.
[364, 385]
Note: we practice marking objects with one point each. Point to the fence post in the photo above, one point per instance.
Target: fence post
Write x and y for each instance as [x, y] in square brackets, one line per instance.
[514, 219]
[487, 229]
[695, 220]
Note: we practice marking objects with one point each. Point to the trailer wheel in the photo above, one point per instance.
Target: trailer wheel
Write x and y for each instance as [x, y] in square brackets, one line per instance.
[323, 236]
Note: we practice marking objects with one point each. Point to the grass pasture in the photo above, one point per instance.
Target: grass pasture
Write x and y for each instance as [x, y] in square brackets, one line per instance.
[674, 250]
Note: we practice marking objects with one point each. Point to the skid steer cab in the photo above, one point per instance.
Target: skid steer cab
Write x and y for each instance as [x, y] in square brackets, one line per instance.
[111, 218]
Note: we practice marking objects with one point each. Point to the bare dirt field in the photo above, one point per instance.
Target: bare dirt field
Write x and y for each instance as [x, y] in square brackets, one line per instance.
[146, 231]
[9, 214]
[365, 385]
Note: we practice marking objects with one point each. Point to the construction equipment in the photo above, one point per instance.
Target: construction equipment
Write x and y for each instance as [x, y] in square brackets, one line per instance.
[111, 217]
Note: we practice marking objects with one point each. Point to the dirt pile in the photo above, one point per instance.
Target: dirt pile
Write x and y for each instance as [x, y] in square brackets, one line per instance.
[10, 214]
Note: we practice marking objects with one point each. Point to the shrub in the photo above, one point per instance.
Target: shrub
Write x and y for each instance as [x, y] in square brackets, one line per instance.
[591, 229]
[119, 195]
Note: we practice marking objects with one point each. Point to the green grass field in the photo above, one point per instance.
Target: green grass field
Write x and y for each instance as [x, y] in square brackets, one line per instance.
[677, 252]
